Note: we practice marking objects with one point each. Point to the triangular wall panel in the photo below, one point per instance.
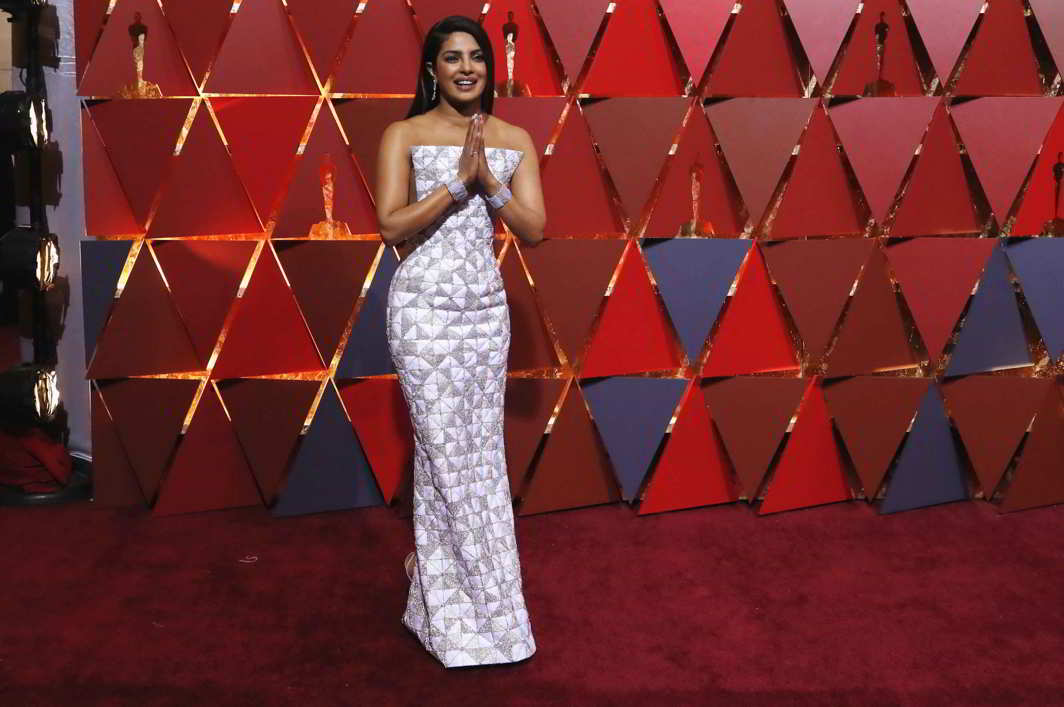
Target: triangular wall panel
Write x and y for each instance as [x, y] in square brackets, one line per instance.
[736, 347]
[573, 470]
[267, 311]
[268, 417]
[936, 277]
[815, 278]
[694, 469]
[618, 71]
[112, 70]
[261, 54]
[929, 469]
[381, 420]
[694, 276]
[613, 351]
[209, 471]
[570, 277]
[810, 472]
[631, 413]
[204, 277]
[872, 414]
[991, 414]
[752, 413]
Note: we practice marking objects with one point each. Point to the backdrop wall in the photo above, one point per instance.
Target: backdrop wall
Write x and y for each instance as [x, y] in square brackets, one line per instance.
[794, 252]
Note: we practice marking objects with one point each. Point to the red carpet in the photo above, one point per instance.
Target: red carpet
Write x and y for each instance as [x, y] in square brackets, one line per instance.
[952, 605]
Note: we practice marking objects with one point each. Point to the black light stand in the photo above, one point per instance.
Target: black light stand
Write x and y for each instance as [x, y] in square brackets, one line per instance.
[32, 427]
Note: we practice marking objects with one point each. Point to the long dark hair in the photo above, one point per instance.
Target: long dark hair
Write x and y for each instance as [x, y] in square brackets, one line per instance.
[440, 31]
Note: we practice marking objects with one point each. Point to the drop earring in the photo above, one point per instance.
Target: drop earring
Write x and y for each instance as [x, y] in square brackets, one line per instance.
[433, 88]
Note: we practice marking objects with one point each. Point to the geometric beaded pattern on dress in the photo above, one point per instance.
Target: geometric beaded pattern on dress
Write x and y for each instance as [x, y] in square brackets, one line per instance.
[448, 327]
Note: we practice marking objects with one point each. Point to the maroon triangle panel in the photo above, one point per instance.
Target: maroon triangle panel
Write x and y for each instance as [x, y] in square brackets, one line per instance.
[1039, 479]
[574, 469]
[327, 278]
[872, 414]
[570, 277]
[107, 209]
[872, 336]
[267, 312]
[325, 158]
[144, 334]
[529, 404]
[937, 199]
[717, 208]
[323, 25]
[634, 165]
[261, 54]
[758, 58]
[751, 414]
[204, 196]
[531, 346]
[199, 26]
[140, 137]
[113, 68]
[386, 39]
[757, 136]
[574, 187]
[263, 134]
[268, 416]
[148, 414]
[114, 483]
[204, 277]
[815, 277]
[936, 276]
[697, 28]
[992, 413]
[616, 70]
[364, 121]
[209, 471]
[817, 198]
[572, 27]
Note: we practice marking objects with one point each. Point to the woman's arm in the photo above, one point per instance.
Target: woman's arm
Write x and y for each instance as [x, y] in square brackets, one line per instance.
[524, 214]
[398, 219]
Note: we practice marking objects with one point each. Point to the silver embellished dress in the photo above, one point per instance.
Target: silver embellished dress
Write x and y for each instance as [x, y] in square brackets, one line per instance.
[449, 335]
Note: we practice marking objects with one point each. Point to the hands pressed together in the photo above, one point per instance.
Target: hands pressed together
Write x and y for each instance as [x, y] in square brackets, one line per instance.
[473, 167]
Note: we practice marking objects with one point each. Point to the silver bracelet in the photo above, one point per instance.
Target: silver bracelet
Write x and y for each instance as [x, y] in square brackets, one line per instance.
[457, 189]
[499, 198]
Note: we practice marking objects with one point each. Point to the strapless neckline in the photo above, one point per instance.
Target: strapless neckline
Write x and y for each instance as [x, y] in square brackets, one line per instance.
[506, 149]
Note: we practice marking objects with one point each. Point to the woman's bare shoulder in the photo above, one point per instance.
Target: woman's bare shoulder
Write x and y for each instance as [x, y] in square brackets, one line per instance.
[400, 131]
[510, 135]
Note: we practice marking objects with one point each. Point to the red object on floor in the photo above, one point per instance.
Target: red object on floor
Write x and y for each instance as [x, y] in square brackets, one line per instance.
[33, 462]
[714, 606]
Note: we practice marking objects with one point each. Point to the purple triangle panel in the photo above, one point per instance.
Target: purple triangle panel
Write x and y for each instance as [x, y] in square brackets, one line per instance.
[1039, 263]
[992, 335]
[330, 471]
[693, 277]
[367, 351]
[101, 266]
[929, 469]
[631, 413]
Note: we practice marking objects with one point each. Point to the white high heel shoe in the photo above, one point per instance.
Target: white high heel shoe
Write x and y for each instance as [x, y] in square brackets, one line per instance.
[409, 563]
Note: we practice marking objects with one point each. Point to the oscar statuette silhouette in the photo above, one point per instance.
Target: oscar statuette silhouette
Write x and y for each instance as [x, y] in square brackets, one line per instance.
[511, 86]
[328, 228]
[138, 34]
[880, 87]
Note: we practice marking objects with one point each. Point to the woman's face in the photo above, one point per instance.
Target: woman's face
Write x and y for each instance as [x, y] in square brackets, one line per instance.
[460, 68]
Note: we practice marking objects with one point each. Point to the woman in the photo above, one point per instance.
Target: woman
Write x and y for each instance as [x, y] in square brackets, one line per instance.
[449, 335]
